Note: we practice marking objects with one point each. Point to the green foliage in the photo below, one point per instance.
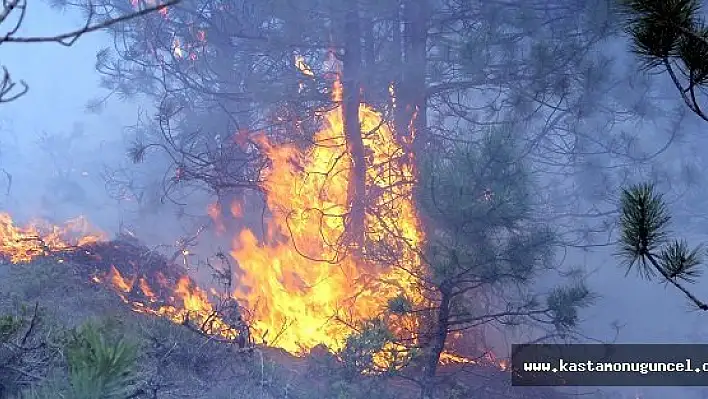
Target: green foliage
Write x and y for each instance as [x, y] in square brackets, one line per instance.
[644, 241]
[476, 200]
[681, 262]
[644, 220]
[658, 27]
[99, 369]
[482, 230]
[564, 302]
[483, 181]
[672, 36]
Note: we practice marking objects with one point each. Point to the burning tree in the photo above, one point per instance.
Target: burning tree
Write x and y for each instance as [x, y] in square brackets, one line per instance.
[219, 73]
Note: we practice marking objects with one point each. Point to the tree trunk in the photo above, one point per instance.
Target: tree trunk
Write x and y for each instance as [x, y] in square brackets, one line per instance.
[416, 36]
[368, 58]
[351, 67]
[435, 348]
[401, 117]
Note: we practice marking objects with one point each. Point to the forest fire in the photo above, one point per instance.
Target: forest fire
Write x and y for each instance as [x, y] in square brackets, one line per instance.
[305, 283]
[154, 287]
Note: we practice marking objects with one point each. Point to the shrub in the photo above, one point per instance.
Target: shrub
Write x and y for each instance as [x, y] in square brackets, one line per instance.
[99, 369]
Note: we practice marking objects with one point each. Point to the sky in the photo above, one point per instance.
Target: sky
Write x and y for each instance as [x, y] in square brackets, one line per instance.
[63, 79]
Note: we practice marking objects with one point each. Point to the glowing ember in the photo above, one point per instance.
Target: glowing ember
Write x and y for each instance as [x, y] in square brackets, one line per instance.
[302, 66]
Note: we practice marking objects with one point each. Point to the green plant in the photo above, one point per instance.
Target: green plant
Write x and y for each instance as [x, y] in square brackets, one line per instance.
[99, 369]
[645, 242]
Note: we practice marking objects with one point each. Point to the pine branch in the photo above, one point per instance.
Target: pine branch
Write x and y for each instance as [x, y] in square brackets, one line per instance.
[700, 304]
[672, 35]
[644, 220]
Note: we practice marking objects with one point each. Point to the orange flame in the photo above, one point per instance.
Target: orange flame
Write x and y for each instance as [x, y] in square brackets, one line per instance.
[39, 238]
[214, 212]
[294, 293]
[118, 280]
[186, 302]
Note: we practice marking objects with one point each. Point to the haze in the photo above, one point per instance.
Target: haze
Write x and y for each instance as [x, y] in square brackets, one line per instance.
[63, 80]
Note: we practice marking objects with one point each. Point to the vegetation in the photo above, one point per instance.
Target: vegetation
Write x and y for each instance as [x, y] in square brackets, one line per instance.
[75, 343]
[647, 245]
[671, 37]
[484, 236]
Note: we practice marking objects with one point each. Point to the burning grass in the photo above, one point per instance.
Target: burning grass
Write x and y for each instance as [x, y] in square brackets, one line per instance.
[40, 238]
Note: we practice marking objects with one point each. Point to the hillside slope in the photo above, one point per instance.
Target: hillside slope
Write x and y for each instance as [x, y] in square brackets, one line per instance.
[176, 362]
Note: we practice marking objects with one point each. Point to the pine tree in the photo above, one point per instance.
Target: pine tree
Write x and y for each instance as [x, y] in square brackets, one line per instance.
[670, 36]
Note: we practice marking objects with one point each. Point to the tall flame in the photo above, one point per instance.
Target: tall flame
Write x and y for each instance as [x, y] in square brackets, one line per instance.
[295, 294]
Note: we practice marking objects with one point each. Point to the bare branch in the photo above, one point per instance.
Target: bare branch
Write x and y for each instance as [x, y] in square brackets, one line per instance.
[69, 38]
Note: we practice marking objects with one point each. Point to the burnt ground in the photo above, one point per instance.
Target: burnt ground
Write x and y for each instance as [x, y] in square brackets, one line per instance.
[176, 361]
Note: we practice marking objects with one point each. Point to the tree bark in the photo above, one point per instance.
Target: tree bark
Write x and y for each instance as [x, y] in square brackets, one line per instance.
[401, 117]
[351, 97]
[435, 347]
[416, 15]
